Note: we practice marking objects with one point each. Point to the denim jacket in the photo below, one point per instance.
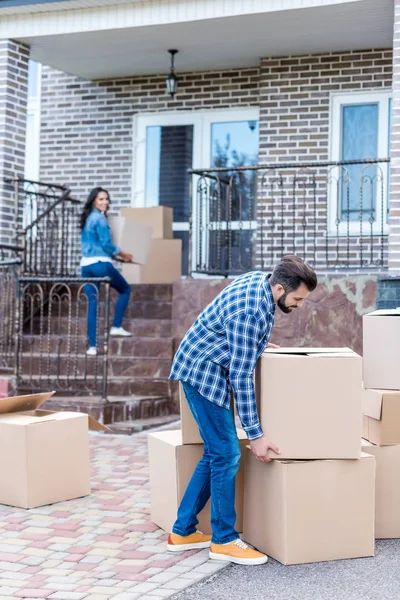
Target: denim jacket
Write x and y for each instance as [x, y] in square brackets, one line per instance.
[96, 236]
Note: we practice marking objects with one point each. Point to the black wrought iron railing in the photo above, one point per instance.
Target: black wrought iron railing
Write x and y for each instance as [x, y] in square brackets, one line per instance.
[51, 335]
[10, 263]
[47, 228]
[43, 307]
[333, 214]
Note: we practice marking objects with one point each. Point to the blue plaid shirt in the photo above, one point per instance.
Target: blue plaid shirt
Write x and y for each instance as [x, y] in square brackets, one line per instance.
[219, 352]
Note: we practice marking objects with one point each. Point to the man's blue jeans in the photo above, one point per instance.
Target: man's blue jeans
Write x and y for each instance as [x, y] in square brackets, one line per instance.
[104, 269]
[214, 474]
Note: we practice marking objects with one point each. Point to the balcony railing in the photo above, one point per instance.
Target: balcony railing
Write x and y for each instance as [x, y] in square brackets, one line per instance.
[333, 214]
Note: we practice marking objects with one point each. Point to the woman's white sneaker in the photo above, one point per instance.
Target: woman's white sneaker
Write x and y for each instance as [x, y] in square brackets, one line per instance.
[120, 332]
[92, 351]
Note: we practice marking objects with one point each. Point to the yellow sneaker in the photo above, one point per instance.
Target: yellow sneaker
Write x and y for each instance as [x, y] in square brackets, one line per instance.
[237, 552]
[194, 541]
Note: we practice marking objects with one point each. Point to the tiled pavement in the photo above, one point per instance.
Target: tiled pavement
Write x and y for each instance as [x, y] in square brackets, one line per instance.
[98, 547]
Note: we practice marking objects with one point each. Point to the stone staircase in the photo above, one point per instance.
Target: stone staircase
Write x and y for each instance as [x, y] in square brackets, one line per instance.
[140, 395]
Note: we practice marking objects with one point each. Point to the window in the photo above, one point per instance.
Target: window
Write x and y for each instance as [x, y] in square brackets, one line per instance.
[168, 144]
[360, 129]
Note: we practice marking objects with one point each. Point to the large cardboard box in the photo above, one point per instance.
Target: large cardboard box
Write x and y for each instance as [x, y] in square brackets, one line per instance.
[164, 264]
[381, 416]
[310, 511]
[131, 237]
[381, 349]
[387, 489]
[158, 217]
[310, 402]
[171, 466]
[44, 455]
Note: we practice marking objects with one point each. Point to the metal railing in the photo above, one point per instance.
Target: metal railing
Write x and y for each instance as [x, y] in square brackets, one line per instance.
[43, 307]
[333, 214]
[46, 227]
[10, 264]
[51, 335]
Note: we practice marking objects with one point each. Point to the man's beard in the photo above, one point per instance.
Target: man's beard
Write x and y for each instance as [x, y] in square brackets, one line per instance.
[282, 305]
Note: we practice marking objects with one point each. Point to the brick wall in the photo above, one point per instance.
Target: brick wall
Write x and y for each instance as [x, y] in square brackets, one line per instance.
[87, 127]
[87, 137]
[294, 127]
[13, 103]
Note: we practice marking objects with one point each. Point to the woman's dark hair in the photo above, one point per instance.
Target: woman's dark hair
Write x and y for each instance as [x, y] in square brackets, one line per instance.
[291, 271]
[88, 207]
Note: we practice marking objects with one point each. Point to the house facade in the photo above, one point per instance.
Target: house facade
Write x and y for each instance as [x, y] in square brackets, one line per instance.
[283, 135]
[290, 83]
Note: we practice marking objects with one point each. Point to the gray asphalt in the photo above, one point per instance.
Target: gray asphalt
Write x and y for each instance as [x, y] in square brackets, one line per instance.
[375, 578]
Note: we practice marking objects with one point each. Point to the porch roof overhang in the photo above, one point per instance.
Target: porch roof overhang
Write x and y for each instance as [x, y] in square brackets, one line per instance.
[130, 38]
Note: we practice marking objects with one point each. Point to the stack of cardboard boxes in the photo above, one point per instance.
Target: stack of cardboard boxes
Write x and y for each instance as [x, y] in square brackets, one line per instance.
[320, 498]
[147, 234]
[173, 456]
[381, 414]
[315, 501]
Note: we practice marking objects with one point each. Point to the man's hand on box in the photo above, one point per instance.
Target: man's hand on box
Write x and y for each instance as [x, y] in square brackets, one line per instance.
[260, 448]
[269, 345]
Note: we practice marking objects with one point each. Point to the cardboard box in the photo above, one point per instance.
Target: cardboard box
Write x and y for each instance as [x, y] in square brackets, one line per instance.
[310, 511]
[387, 489]
[131, 237]
[171, 466]
[364, 427]
[190, 429]
[158, 217]
[381, 416]
[381, 349]
[310, 402]
[164, 264]
[44, 455]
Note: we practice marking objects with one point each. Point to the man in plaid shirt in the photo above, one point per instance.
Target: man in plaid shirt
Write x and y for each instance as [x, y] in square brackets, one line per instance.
[216, 357]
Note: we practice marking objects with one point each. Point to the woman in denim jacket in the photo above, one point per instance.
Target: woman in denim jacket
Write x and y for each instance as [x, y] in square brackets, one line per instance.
[97, 254]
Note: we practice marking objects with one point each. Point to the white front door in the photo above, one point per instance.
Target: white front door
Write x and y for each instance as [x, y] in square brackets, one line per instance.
[168, 144]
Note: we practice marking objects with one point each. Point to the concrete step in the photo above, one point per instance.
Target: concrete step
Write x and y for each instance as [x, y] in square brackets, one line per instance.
[115, 409]
[78, 325]
[82, 366]
[62, 326]
[117, 386]
[130, 427]
[148, 309]
[137, 347]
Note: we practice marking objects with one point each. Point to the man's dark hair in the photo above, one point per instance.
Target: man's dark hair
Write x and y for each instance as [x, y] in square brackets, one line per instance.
[291, 271]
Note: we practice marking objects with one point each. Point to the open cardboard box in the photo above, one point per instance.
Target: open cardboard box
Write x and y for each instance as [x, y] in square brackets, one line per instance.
[310, 402]
[44, 455]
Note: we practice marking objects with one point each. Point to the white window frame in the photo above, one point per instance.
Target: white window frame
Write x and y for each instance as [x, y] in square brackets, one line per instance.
[32, 163]
[201, 121]
[380, 97]
[32, 159]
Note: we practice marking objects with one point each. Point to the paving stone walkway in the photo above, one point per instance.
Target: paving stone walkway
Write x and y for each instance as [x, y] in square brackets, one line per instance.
[98, 547]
